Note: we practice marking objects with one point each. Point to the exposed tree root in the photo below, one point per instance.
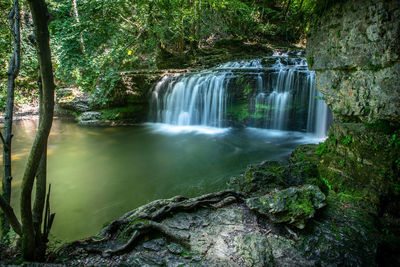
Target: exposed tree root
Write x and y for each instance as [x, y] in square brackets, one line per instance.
[142, 228]
[192, 204]
[149, 217]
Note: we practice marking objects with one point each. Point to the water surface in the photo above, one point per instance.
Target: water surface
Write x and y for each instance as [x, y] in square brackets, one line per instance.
[98, 174]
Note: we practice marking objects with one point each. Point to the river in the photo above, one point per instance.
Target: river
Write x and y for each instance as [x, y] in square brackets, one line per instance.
[98, 174]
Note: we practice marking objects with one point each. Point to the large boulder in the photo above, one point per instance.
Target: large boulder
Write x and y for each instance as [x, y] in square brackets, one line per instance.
[294, 205]
[260, 179]
[73, 100]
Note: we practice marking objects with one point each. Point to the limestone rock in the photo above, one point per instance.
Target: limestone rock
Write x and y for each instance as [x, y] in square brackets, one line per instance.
[73, 99]
[235, 236]
[294, 205]
[356, 34]
[355, 51]
[90, 115]
[90, 119]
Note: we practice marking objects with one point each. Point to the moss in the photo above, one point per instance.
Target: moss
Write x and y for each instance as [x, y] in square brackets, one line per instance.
[346, 140]
[334, 26]
[239, 111]
[321, 149]
[247, 90]
[310, 61]
[302, 205]
[382, 126]
[121, 112]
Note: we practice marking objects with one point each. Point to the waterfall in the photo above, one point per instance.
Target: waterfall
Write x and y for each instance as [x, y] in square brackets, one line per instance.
[273, 93]
[318, 112]
[198, 99]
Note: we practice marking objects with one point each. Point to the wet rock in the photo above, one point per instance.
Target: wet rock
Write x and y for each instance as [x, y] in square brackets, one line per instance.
[259, 179]
[145, 260]
[154, 245]
[294, 205]
[268, 176]
[90, 119]
[90, 115]
[175, 248]
[254, 249]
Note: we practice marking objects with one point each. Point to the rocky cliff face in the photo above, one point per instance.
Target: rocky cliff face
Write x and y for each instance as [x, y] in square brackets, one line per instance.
[355, 50]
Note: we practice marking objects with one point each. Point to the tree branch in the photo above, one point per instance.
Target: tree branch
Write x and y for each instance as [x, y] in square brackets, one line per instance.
[10, 214]
[2, 140]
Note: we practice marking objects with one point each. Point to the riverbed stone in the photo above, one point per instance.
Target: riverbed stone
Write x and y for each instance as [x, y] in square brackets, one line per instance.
[294, 205]
[91, 119]
[90, 115]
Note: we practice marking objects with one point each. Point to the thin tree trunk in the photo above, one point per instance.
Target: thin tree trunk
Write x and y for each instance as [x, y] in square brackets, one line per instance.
[40, 18]
[9, 213]
[77, 20]
[40, 194]
[13, 70]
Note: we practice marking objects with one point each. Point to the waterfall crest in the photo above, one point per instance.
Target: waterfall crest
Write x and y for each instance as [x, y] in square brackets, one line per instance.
[272, 93]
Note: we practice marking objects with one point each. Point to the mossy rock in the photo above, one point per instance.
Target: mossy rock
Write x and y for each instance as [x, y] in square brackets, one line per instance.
[120, 113]
[342, 234]
[294, 205]
[267, 176]
[361, 160]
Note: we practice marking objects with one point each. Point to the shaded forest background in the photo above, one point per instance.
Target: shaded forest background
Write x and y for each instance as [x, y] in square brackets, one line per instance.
[94, 40]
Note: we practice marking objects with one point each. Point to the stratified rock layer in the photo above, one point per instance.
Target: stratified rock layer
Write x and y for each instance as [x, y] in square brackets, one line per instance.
[355, 51]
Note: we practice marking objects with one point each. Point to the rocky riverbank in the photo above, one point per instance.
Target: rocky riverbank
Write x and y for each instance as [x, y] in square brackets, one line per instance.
[270, 216]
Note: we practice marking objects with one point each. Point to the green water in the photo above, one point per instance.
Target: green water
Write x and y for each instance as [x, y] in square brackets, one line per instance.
[98, 174]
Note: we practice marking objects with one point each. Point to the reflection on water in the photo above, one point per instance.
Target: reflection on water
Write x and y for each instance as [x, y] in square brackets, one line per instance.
[98, 174]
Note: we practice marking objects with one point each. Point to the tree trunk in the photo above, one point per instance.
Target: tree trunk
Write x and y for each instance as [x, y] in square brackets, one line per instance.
[77, 20]
[40, 18]
[13, 70]
[40, 194]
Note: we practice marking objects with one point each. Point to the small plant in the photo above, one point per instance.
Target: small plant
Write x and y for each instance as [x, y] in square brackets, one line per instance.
[394, 141]
[347, 140]
[322, 147]
[247, 89]
[326, 182]
[398, 163]
[396, 187]
[310, 61]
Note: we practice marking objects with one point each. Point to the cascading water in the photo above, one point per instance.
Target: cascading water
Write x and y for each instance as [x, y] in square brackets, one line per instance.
[273, 93]
[196, 99]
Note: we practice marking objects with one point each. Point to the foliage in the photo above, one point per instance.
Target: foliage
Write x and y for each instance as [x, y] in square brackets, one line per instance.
[96, 40]
[321, 149]
[120, 113]
[26, 81]
[239, 111]
[101, 38]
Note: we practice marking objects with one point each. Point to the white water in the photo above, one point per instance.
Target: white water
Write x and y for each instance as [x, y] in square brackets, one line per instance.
[282, 97]
[192, 100]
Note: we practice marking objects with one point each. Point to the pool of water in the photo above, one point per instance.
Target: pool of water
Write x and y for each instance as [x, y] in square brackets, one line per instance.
[98, 174]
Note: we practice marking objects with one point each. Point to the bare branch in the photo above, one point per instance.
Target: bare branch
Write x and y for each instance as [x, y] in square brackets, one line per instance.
[10, 214]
